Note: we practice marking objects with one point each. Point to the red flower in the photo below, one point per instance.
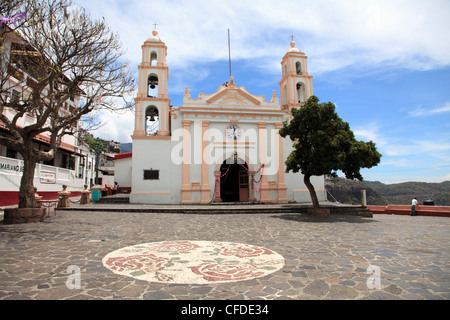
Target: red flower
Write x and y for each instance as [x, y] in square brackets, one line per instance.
[148, 263]
[244, 251]
[183, 246]
[226, 271]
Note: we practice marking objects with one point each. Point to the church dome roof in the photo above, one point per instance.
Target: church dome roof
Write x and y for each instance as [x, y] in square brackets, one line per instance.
[154, 37]
[293, 48]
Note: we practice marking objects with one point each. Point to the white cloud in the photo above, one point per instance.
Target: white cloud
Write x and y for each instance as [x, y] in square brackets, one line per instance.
[364, 35]
[117, 126]
[432, 146]
[423, 112]
[446, 178]
[409, 34]
[397, 163]
[396, 146]
[420, 147]
[435, 179]
[370, 132]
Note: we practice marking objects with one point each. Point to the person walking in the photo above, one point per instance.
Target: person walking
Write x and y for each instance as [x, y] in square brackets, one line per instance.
[414, 203]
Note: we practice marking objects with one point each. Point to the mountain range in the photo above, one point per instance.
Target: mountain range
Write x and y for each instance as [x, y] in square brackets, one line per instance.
[377, 193]
[126, 147]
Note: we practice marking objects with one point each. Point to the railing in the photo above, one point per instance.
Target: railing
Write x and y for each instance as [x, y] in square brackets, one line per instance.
[153, 129]
[43, 174]
[353, 197]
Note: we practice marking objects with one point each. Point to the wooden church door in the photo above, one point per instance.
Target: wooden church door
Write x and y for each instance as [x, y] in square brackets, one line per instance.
[243, 186]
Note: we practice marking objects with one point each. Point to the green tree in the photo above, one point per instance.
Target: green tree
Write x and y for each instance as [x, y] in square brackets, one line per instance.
[323, 144]
[95, 144]
[99, 148]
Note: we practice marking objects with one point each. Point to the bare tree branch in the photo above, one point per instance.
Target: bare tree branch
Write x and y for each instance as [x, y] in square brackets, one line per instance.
[57, 54]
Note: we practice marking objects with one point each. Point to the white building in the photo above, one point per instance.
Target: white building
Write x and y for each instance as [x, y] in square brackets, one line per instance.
[73, 164]
[220, 147]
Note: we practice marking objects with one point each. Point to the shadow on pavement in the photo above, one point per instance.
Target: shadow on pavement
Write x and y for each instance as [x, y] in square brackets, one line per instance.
[302, 217]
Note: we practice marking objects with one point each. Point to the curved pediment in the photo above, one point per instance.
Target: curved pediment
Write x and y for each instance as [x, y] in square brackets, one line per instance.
[231, 95]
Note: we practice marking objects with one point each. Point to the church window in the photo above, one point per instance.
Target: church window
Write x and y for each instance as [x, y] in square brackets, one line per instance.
[10, 153]
[285, 96]
[151, 174]
[153, 59]
[301, 93]
[152, 120]
[298, 67]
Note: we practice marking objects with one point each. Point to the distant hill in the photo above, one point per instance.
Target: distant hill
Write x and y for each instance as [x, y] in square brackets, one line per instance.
[402, 193]
[126, 147]
[348, 191]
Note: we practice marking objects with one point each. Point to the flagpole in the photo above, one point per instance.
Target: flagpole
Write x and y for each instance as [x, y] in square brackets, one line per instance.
[229, 52]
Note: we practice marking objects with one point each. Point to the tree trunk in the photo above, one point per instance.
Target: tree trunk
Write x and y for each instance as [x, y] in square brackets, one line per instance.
[312, 192]
[26, 191]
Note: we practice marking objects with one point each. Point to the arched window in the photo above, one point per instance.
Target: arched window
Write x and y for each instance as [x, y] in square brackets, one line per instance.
[152, 120]
[285, 99]
[152, 86]
[301, 92]
[298, 67]
[153, 59]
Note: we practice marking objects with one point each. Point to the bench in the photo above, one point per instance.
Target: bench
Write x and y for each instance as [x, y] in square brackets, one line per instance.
[108, 190]
[421, 210]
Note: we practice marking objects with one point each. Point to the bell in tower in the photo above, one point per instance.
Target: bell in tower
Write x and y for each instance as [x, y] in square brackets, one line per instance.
[152, 91]
[152, 120]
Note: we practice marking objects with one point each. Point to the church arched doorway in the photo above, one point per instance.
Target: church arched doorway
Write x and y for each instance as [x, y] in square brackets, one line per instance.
[234, 181]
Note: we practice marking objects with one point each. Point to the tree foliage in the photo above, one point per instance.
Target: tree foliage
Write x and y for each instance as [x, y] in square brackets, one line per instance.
[324, 144]
[63, 53]
[95, 144]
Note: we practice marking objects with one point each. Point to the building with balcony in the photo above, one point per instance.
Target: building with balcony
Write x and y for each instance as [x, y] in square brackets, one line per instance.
[73, 164]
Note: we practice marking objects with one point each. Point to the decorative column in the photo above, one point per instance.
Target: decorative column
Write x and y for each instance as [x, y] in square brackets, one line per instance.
[262, 139]
[282, 189]
[64, 200]
[186, 164]
[85, 195]
[251, 188]
[217, 197]
[205, 189]
[364, 198]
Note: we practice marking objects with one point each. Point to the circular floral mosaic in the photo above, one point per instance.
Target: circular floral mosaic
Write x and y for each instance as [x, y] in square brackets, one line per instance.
[193, 262]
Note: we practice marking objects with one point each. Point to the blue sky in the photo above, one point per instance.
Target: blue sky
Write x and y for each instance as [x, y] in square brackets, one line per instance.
[385, 64]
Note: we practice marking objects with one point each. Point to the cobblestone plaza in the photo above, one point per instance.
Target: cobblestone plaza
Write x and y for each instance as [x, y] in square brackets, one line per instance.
[343, 257]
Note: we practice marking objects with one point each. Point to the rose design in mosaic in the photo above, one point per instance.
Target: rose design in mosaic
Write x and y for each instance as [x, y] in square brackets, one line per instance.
[193, 262]
[183, 246]
[147, 263]
[244, 251]
[227, 271]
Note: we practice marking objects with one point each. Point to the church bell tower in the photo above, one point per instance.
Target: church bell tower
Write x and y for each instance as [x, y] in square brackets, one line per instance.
[296, 84]
[152, 113]
[151, 167]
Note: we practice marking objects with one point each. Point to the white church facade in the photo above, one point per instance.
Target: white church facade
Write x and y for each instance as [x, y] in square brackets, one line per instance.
[218, 147]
